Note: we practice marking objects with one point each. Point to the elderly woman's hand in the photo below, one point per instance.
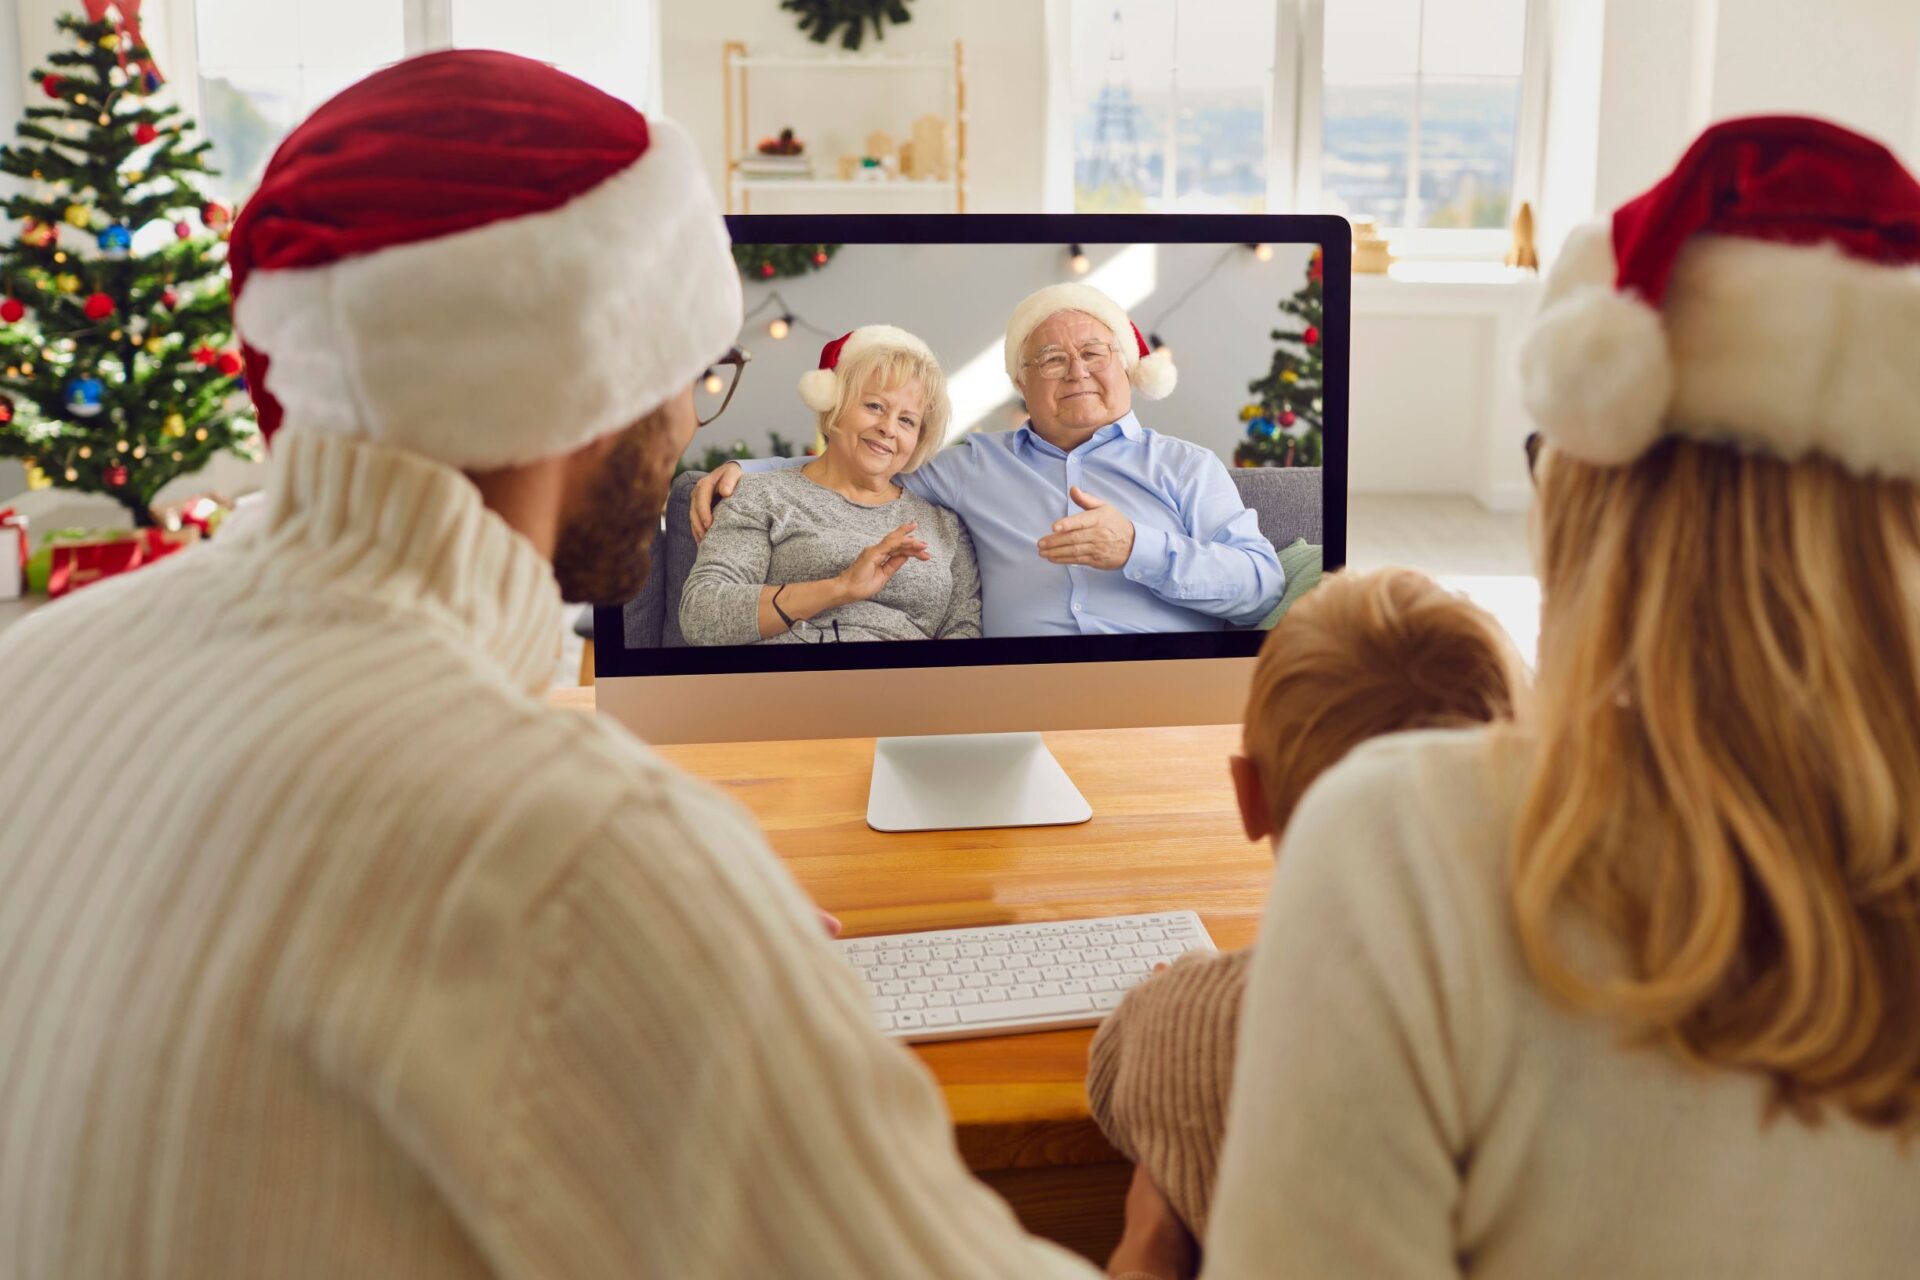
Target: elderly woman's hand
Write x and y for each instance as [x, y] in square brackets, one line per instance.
[1155, 1242]
[1102, 538]
[709, 489]
[874, 568]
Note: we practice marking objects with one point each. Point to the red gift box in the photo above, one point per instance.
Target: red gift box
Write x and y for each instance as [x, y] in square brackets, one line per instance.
[79, 564]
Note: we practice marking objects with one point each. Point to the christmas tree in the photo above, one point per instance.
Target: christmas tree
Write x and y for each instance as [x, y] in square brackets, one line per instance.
[117, 367]
[1283, 422]
[780, 261]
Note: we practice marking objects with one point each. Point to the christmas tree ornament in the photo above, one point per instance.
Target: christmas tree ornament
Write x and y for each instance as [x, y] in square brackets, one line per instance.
[6, 410]
[216, 216]
[67, 282]
[12, 310]
[169, 299]
[110, 41]
[785, 260]
[175, 427]
[1289, 375]
[182, 231]
[37, 235]
[78, 215]
[230, 364]
[115, 241]
[1249, 412]
[204, 355]
[820, 258]
[98, 306]
[144, 133]
[1312, 335]
[766, 270]
[1288, 417]
[50, 85]
[115, 476]
[85, 396]
[156, 345]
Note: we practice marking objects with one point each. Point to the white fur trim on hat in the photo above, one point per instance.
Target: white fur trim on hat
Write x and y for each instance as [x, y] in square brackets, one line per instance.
[1786, 348]
[1153, 376]
[819, 389]
[513, 341]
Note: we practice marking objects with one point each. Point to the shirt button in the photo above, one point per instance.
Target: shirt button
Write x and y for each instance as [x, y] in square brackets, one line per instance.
[1076, 606]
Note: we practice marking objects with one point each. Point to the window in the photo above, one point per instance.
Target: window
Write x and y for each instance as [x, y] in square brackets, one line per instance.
[262, 65]
[1420, 114]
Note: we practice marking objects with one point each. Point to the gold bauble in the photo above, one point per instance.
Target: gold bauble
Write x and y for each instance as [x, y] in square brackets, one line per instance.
[79, 215]
[38, 479]
[67, 282]
[109, 41]
[156, 345]
[176, 426]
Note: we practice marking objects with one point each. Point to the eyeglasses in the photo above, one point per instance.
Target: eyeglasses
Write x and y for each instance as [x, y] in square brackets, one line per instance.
[725, 384]
[1533, 454]
[1053, 365]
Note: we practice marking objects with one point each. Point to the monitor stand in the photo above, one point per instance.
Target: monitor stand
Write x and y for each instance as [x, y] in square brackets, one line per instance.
[964, 780]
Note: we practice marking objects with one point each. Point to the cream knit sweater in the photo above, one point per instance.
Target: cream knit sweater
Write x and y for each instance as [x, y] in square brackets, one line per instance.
[327, 949]
[1408, 1104]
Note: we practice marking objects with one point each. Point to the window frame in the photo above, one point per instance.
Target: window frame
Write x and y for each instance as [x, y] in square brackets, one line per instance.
[1295, 137]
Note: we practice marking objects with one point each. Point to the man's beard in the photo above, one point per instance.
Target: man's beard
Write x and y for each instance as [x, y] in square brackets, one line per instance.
[605, 552]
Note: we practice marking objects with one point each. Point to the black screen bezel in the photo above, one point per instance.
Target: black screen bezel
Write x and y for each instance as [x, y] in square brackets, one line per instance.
[612, 657]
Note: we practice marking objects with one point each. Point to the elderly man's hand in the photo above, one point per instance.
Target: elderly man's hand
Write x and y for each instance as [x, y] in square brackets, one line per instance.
[1101, 539]
[711, 488]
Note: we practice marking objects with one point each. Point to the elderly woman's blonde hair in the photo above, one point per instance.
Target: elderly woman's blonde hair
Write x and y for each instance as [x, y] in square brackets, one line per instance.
[888, 369]
[1728, 769]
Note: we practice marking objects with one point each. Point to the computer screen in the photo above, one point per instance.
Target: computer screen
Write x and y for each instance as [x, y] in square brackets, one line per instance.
[1055, 497]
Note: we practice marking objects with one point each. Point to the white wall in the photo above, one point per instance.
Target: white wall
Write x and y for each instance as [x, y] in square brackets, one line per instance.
[1851, 60]
[833, 113]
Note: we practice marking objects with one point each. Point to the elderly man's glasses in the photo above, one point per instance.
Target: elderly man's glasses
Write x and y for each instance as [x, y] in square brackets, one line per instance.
[723, 379]
[1054, 364]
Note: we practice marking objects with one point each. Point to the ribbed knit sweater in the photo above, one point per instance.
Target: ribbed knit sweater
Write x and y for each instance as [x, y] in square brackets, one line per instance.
[328, 949]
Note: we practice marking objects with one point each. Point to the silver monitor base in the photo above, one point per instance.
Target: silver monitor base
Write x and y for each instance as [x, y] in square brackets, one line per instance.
[958, 781]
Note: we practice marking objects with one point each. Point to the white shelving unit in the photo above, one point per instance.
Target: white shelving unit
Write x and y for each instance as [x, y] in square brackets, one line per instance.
[736, 67]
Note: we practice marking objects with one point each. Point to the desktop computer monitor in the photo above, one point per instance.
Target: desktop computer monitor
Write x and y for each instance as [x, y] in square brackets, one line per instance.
[1231, 488]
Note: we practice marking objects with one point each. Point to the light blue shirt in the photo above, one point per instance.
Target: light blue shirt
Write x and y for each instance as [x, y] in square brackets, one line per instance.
[1198, 561]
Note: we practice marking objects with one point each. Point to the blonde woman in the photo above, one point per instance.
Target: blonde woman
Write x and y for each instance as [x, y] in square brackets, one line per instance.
[836, 550]
[1635, 991]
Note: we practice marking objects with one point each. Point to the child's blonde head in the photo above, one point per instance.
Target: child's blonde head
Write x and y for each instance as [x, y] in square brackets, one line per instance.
[1363, 655]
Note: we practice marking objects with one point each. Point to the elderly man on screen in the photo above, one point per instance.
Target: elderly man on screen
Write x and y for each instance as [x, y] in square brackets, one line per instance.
[1084, 521]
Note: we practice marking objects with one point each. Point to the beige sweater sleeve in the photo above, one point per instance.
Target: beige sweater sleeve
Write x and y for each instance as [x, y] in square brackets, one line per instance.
[1160, 1072]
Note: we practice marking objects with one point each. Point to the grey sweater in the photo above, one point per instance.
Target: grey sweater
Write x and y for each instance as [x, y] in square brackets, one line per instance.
[781, 527]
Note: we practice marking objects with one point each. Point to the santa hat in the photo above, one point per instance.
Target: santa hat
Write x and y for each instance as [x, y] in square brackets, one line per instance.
[1764, 294]
[477, 258]
[818, 388]
[1152, 373]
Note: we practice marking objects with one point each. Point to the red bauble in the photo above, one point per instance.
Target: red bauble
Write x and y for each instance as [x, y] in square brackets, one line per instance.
[205, 355]
[230, 363]
[143, 133]
[115, 477]
[12, 310]
[1311, 336]
[182, 230]
[766, 271]
[50, 85]
[216, 215]
[169, 299]
[819, 259]
[98, 306]
[1287, 418]
[6, 411]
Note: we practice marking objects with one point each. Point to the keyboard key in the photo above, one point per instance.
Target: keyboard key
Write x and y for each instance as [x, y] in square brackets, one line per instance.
[920, 984]
[991, 964]
[1100, 984]
[1046, 989]
[937, 967]
[893, 987]
[884, 1004]
[919, 954]
[1106, 968]
[880, 972]
[972, 980]
[1079, 971]
[1021, 991]
[994, 995]
[1054, 973]
[951, 982]
[941, 1017]
[1050, 1007]
[883, 1021]
[1001, 979]
[1108, 999]
[939, 1000]
[1073, 987]
[964, 996]
[913, 1002]
[964, 965]
[908, 1021]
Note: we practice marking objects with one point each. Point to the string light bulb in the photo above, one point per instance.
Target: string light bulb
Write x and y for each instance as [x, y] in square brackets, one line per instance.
[1078, 260]
[1263, 252]
[713, 384]
[72, 475]
[201, 434]
[139, 451]
[780, 328]
[86, 451]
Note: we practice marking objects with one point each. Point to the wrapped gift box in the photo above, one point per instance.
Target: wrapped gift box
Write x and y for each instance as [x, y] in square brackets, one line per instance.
[78, 558]
[13, 554]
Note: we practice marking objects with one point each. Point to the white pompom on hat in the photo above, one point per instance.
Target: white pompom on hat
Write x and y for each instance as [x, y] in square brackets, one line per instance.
[818, 389]
[1766, 294]
[1152, 373]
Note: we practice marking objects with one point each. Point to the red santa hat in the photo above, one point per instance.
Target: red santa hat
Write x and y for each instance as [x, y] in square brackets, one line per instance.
[818, 388]
[1151, 373]
[1764, 294]
[480, 259]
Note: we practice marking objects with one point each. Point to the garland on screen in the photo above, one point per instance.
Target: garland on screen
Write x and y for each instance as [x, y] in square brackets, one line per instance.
[821, 18]
[781, 261]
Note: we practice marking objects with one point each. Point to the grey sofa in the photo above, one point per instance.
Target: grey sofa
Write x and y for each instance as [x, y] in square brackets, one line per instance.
[1286, 501]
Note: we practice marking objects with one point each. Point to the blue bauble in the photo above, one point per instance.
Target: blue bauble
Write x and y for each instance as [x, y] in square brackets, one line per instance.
[85, 396]
[152, 81]
[116, 240]
[1262, 428]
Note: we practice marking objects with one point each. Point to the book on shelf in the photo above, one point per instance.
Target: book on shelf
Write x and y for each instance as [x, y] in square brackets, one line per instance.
[773, 166]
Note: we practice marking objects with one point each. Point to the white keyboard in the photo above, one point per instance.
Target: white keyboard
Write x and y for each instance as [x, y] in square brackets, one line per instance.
[955, 983]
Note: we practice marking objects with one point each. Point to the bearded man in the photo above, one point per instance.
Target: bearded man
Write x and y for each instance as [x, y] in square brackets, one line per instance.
[327, 947]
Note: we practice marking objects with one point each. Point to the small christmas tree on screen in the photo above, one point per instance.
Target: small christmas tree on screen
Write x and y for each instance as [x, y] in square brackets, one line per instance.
[118, 370]
[1284, 420]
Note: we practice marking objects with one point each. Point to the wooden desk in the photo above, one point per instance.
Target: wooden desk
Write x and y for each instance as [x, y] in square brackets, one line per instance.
[1165, 834]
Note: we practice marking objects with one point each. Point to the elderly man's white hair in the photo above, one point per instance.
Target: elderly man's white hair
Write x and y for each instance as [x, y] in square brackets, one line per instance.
[1152, 375]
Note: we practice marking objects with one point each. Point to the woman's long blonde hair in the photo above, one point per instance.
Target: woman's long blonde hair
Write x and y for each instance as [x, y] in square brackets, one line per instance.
[1728, 779]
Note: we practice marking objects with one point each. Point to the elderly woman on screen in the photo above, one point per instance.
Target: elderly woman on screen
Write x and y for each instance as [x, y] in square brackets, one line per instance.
[837, 550]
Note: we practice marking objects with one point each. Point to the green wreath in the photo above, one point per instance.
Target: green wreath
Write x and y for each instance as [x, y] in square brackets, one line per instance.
[781, 261]
[821, 18]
